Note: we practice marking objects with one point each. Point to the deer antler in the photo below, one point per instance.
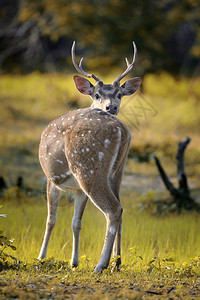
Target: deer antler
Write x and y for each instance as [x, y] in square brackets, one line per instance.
[79, 66]
[129, 66]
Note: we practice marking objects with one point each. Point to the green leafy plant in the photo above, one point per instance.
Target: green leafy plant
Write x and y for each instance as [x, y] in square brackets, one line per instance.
[5, 244]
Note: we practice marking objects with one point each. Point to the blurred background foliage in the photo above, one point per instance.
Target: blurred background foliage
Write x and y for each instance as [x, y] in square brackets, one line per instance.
[35, 43]
[39, 34]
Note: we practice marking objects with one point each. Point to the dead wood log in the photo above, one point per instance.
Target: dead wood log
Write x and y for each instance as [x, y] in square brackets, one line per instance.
[181, 195]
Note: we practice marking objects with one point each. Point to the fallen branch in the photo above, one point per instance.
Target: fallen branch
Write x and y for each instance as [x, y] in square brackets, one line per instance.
[180, 161]
[167, 182]
[181, 195]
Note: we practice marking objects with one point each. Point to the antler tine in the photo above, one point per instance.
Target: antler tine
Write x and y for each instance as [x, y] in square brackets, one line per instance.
[129, 65]
[78, 67]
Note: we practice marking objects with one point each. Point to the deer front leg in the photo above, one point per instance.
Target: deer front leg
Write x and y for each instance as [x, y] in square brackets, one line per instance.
[79, 206]
[53, 196]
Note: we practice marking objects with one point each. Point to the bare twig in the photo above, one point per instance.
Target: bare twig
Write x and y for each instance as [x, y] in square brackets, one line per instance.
[165, 178]
[182, 179]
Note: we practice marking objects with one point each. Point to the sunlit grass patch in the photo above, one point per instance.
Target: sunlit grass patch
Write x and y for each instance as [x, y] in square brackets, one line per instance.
[164, 237]
[160, 255]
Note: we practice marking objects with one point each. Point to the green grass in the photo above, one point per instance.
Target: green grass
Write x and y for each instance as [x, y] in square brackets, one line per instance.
[170, 236]
[160, 255]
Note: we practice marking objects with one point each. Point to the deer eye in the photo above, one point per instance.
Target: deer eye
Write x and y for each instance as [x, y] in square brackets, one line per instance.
[97, 97]
[119, 96]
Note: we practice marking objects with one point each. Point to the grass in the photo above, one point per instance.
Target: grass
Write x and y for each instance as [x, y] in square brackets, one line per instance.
[160, 253]
[163, 237]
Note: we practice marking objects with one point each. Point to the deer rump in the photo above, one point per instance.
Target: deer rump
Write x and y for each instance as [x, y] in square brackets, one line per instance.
[82, 144]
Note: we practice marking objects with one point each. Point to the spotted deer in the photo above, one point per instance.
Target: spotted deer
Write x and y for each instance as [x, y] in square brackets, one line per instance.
[85, 150]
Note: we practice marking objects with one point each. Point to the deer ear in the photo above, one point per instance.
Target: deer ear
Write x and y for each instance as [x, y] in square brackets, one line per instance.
[130, 86]
[83, 85]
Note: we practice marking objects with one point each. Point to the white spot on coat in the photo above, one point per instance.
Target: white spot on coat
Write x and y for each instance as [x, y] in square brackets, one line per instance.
[91, 171]
[112, 230]
[59, 161]
[87, 149]
[106, 142]
[62, 175]
[101, 154]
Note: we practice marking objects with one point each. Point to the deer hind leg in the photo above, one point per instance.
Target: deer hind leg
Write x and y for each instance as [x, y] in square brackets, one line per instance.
[79, 207]
[53, 196]
[115, 183]
[113, 212]
[103, 198]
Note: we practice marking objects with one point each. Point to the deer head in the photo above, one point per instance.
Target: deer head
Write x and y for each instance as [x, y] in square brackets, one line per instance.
[106, 96]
